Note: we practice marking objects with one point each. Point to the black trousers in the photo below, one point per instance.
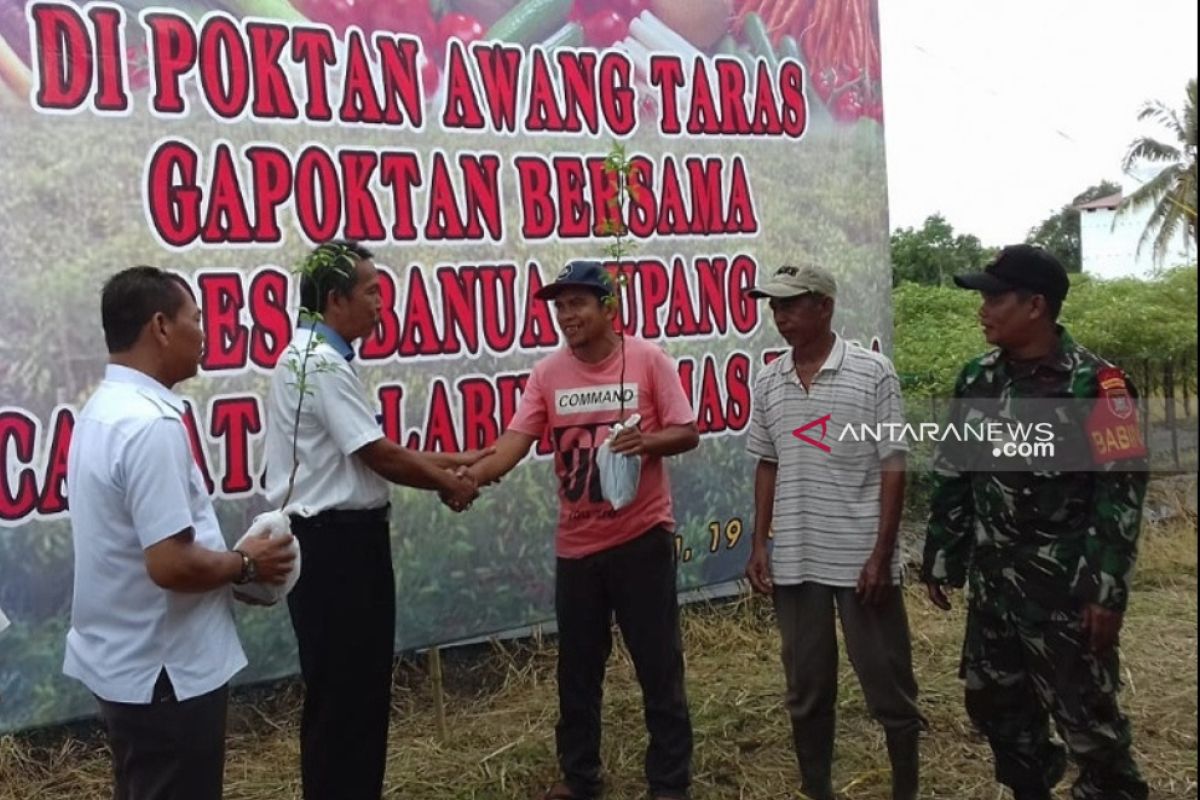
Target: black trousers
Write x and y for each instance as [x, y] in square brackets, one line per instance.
[635, 582]
[344, 614]
[168, 749]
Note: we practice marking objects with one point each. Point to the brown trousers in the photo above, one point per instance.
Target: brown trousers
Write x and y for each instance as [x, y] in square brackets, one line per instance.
[877, 642]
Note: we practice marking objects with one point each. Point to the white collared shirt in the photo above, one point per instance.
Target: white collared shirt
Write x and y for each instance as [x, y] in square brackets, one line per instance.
[335, 421]
[827, 503]
[132, 482]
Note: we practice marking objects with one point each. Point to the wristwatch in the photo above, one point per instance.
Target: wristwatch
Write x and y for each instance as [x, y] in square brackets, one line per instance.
[249, 572]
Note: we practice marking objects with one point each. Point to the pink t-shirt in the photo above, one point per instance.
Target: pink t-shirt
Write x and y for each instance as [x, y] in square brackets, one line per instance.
[579, 402]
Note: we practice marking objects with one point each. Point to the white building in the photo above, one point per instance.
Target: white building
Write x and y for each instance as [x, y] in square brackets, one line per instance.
[1109, 241]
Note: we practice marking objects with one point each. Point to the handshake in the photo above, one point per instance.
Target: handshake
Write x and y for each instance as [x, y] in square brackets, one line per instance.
[459, 487]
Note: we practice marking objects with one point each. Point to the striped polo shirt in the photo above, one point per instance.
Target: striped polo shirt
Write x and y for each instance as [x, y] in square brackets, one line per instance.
[826, 515]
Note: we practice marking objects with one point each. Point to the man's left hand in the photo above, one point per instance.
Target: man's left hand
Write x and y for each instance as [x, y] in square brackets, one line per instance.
[629, 442]
[1102, 627]
[875, 580]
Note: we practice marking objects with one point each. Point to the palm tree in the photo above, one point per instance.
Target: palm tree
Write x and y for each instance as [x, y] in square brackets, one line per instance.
[1171, 192]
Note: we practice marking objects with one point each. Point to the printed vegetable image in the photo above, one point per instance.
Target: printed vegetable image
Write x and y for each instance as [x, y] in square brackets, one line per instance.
[626, 8]
[838, 41]
[13, 30]
[604, 28]
[701, 22]
[267, 9]
[531, 21]
[459, 26]
[759, 40]
[569, 35]
[401, 16]
[486, 11]
[15, 78]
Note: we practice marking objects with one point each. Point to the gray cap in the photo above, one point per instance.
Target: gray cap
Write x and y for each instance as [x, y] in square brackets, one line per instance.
[792, 281]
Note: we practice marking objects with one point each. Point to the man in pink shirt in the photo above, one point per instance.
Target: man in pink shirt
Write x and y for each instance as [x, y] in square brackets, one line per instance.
[610, 562]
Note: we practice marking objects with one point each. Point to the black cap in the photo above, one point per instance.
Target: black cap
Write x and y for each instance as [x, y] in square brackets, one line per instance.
[579, 274]
[1021, 266]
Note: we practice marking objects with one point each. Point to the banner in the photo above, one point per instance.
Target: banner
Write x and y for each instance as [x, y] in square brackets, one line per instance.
[464, 142]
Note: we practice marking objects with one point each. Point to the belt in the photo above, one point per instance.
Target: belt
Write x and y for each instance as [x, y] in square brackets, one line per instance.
[341, 517]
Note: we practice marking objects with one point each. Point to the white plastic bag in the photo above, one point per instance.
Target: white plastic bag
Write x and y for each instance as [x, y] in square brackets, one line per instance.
[619, 474]
[274, 524]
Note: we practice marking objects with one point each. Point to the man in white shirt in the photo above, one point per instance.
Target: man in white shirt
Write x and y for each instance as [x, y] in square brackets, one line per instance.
[834, 504]
[152, 632]
[329, 465]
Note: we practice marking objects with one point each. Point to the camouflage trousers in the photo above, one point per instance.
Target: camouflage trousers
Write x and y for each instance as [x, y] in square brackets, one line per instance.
[1020, 672]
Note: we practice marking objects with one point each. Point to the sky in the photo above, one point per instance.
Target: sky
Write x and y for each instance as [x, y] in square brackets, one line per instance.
[999, 113]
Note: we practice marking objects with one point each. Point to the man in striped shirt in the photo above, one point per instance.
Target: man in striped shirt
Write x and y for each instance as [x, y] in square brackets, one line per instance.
[833, 497]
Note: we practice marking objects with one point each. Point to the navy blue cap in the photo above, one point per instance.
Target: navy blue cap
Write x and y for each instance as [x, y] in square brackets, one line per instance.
[1020, 266]
[579, 274]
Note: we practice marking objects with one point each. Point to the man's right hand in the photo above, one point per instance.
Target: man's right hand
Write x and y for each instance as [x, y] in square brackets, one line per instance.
[938, 596]
[758, 570]
[273, 557]
[462, 492]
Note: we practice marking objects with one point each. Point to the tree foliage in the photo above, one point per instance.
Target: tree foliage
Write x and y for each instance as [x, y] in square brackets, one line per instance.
[933, 253]
[1172, 191]
[1124, 320]
[1059, 233]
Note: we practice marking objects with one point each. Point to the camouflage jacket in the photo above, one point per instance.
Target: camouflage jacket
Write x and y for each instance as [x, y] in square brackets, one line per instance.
[1036, 537]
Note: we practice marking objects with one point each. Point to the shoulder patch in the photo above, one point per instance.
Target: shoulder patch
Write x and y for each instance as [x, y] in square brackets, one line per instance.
[1115, 392]
[1112, 427]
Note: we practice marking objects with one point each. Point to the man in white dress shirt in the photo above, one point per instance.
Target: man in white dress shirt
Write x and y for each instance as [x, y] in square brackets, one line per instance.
[152, 632]
[344, 605]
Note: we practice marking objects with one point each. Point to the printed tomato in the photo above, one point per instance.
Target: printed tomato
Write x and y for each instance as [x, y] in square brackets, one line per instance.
[604, 29]
[463, 27]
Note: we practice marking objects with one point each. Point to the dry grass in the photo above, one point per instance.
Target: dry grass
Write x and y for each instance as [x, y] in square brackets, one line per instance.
[501, 713]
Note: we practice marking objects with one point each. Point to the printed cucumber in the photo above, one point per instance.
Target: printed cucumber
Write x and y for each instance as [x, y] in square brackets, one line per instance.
[531, 21]
[759, 40]
[569, 35]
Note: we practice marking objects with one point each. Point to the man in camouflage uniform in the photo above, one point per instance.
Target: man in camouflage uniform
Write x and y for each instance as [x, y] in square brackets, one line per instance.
[1048, 546]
